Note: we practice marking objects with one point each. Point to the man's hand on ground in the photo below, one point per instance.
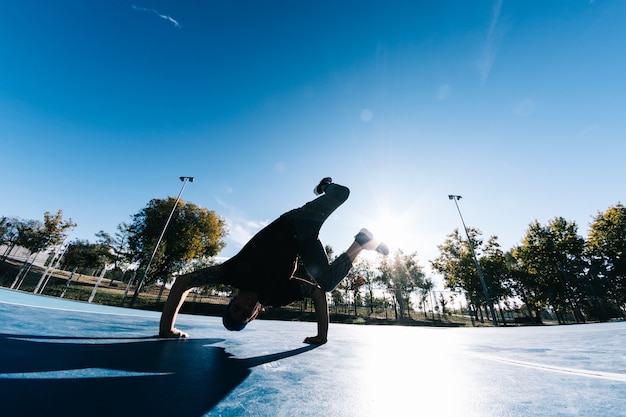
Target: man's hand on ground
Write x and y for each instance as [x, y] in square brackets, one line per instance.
[315, 340]
[173, 334]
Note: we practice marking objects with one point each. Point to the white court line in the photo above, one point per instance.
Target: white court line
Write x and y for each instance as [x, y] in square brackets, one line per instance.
[142, 313]
[80, 374]
[126, 312]
[612, 376]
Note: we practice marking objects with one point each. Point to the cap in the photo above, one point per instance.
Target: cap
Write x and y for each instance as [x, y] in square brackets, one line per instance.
[228, 321]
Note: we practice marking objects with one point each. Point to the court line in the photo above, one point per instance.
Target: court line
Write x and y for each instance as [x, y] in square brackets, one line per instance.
[135, 313]
[126, 312]
[85, 373]
[612, 376]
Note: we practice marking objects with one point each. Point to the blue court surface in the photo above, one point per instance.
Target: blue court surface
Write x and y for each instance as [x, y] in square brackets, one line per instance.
[66, 358]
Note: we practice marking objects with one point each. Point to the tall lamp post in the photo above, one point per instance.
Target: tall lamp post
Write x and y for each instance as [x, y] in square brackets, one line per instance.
[185, 180]
[456, 198]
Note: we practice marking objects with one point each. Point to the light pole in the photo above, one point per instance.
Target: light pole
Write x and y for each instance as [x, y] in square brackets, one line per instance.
[456, 198]
[185, 180]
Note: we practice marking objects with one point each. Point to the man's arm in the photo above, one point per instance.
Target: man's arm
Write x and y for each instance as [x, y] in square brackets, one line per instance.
[175, 300]
[321, 312]
[181, 287]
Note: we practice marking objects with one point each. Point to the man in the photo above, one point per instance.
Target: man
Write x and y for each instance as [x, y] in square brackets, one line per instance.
[263, 269]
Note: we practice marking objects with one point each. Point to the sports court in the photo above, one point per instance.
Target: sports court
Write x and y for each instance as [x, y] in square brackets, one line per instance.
[67, 358]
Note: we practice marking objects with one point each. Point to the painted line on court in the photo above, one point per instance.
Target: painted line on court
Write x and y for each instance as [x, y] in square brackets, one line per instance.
[132, 313]
[99, 309]
[80, 374]
[612, 376]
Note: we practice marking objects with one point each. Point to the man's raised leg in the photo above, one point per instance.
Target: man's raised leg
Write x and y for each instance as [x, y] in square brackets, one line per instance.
[307, 222]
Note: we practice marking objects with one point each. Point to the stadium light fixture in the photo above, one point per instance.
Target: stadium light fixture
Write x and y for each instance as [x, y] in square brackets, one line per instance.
[456, 198]
[185, 180]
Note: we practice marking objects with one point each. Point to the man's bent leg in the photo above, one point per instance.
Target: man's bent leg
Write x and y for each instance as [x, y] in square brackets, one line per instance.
[306, 223]
[329, 276]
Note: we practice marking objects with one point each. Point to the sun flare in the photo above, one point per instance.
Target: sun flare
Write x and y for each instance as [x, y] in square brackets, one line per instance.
[393, 229]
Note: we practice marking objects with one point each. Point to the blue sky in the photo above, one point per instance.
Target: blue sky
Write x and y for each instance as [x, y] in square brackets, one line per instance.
[518, 106]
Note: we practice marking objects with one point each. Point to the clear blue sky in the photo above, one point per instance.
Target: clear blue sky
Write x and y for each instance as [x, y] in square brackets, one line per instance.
[518, 106]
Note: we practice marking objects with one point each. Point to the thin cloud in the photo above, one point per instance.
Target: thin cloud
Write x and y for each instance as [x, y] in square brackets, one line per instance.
[162, 16]
[280, 167]
[524, 108]
[492, 43]
[240, 231]
[443, 92]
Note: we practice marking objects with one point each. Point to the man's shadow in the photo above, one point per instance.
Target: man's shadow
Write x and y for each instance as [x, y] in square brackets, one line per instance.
[42, 375]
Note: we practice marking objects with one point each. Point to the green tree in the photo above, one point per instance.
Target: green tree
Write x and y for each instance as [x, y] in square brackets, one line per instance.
[456, 264]
[193, 232]
[443, 303]
[606, 251]
[402, 275]
[354, 282]
[365, 269]
[84, 255]
[424, 292]
[36, 236]
[8, 234]
[496, 268]
[552, 258]
[117, 243]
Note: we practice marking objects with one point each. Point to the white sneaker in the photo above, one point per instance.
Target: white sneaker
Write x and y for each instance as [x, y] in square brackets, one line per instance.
[365, 238]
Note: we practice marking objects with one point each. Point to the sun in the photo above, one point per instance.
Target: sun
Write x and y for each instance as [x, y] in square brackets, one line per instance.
[393, 228]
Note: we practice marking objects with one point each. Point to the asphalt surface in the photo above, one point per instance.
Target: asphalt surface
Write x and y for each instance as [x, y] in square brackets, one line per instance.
[67, 358]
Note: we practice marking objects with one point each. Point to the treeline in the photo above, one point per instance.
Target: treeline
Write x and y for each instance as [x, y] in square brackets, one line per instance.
[553, 267]
[193, 237]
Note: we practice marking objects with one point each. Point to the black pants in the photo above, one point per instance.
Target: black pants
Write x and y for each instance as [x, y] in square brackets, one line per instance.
[306, 223]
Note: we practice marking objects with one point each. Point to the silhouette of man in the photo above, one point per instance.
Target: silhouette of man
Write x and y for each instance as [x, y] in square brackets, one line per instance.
[263, 269]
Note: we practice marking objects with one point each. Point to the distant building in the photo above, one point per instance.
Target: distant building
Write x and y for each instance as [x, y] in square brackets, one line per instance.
[19, 253]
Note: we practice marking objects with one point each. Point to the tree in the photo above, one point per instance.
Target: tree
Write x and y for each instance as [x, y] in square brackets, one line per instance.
[443, 302]
[8, 234]
[402, 276]
[496, 268]
[606, 251]
[54, 229]
[365, 269]
[354, 282]
[456, 263]
[193, 232]
[423, 293]
[36, 236]
[118, 244]
[83, 255]
[552, 258]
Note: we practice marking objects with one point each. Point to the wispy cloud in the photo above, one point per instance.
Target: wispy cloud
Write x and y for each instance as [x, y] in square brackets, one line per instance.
[162, 16]
[524, 108]
[443, 92]
[492, 43]
[240, 229]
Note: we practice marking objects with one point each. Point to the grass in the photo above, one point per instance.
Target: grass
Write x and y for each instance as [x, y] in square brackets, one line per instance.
[111, 292]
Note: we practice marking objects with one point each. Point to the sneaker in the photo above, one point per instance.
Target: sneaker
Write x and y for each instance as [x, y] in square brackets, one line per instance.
[365, 236]
[382, 248]
[321, 187]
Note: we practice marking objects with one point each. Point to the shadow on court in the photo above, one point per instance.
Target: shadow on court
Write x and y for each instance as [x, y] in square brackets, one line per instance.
[43, 375]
